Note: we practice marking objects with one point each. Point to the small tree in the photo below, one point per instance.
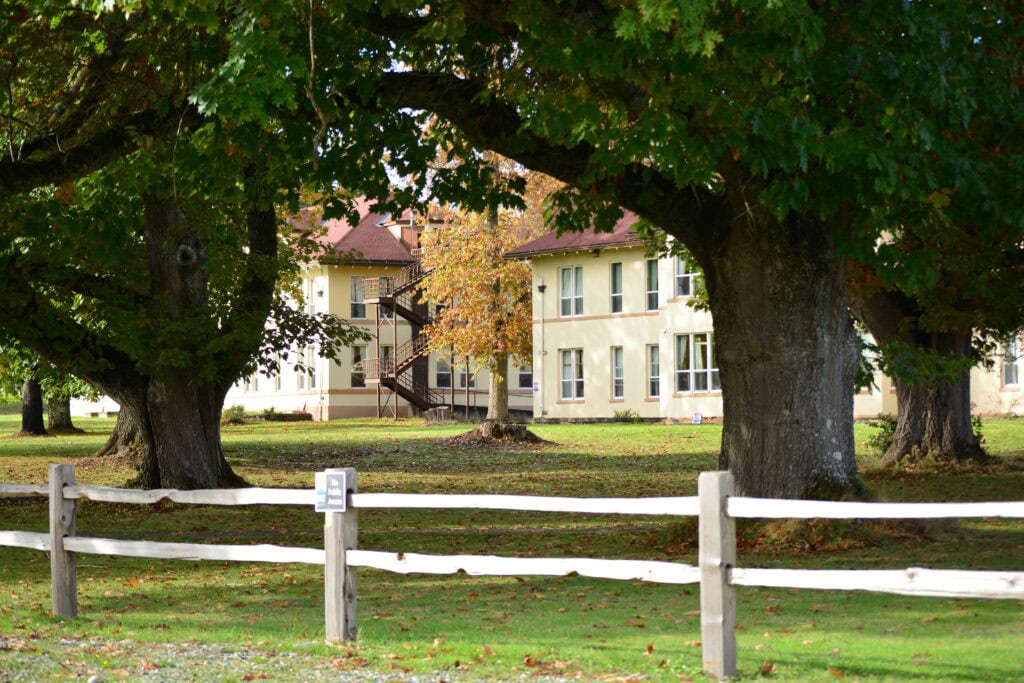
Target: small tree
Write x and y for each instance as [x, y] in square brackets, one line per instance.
[486, 310]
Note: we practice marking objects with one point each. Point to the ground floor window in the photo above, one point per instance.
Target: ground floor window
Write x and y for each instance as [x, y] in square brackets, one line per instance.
[443, 374]
[525, 377]
[1011, 362]
[696, 365]
[572, 374]
[653, 371]
[618, 373]
[358, 376]
[467, 379]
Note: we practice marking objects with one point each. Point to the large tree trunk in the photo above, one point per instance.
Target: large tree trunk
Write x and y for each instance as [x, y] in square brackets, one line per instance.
[787, 351]
[934, 419]
[181, 412]
[497, 398]
[58, 413]
[32, 408]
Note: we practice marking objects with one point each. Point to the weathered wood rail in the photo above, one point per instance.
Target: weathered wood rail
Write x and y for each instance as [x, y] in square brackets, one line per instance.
[716, 572]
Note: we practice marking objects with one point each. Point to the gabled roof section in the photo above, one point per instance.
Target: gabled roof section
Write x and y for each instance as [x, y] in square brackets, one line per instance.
[621, 235]
[368, 241]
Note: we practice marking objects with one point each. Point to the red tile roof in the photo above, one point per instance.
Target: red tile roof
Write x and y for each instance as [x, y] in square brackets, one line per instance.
[366, 242]
[621, 235]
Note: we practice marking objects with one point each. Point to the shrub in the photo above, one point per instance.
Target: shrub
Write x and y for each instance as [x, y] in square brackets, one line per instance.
[627, 415]
[235, 415]
[880, 441]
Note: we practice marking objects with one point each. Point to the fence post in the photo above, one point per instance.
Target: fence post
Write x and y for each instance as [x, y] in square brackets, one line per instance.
[717, 555]
[63, 569]
[341, 530]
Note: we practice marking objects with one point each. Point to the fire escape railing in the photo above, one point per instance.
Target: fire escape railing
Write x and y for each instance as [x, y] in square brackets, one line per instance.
[397, 293]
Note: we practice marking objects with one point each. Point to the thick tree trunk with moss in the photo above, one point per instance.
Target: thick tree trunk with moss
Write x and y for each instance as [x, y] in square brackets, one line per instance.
[32, 408]
[787, 353]
[58, 414]
[934, 419]
[170, 433]
[934, 415]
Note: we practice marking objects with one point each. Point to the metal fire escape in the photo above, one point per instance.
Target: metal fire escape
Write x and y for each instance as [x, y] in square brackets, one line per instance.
[404, 372]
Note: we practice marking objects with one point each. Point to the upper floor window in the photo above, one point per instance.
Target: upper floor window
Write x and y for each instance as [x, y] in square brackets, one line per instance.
[357, 296]
[571, 291]
[1011, 361]
[616, 282]
[572, 374]
[652, 284]
[696, 366]
[685, 279]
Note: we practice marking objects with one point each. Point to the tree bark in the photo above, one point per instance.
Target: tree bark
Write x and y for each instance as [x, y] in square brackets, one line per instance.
[787, 352]
[934, 419]
[58, 411]
[32, 408]
[497, 398]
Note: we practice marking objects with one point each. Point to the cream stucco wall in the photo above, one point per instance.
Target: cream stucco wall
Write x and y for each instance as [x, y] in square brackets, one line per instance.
[635, 329]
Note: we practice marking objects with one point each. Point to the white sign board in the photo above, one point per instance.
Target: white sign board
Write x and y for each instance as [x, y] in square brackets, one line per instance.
[331, 491]
[698, 418]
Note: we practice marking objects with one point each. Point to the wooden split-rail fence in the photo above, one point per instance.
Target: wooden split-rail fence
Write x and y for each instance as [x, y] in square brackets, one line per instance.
[716, 570]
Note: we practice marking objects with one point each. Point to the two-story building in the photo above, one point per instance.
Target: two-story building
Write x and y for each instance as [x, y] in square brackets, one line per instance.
[614, 332]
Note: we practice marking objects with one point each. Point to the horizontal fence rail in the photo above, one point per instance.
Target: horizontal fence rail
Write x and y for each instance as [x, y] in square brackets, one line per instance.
[492, 565]
[717, 571]
[774, 508]
[683, 506]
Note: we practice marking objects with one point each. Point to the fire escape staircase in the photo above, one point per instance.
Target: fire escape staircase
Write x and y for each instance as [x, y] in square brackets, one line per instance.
[395, 296]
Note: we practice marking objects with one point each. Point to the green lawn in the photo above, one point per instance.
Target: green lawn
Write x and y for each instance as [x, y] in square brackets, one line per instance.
[155, 620]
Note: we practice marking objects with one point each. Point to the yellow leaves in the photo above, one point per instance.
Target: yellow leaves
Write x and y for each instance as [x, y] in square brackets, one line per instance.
[940, 199]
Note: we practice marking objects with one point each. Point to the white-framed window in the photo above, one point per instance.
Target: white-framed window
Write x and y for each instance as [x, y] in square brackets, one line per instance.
[618, 373]
[467, 377]
[525, 377]
[1011, 362]
[570, 291]
[696, 366]
[443, 374]
[652, 284]
[387, 366]
[358, 375]
[300, 373]
[572, 374]
[358, 308]
[616, 287]
[685, 279]
[653, 371]
[277, 373]
[311, 360]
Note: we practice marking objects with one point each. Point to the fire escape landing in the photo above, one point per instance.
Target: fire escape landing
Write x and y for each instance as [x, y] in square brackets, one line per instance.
[403, 372]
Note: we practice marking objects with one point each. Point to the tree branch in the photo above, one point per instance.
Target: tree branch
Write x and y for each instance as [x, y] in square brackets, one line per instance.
[489, 123]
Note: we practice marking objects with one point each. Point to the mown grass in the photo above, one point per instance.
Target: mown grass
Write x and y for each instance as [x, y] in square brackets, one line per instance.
[183, 621]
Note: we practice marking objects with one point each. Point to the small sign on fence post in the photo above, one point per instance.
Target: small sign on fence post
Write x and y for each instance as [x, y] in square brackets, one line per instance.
[341, 529]
[331, 490]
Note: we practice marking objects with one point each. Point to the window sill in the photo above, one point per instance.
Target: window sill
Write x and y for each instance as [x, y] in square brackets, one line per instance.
[1009, 389]
[565, 401]
[616, 400]
[652, 399]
